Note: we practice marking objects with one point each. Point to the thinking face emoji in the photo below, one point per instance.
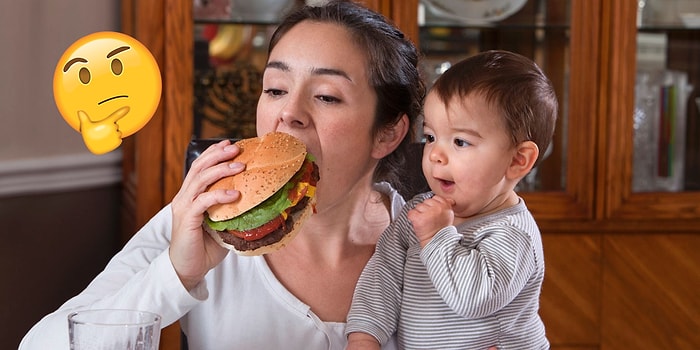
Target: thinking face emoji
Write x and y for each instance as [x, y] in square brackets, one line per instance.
[107, 86]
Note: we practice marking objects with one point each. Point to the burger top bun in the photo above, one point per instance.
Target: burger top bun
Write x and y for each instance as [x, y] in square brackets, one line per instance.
[271, 160]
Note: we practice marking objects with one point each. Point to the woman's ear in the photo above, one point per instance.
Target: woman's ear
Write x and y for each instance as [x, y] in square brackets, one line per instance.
[524, 159]
[390, 137]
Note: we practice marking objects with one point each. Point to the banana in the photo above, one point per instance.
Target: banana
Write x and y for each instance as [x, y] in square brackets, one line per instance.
[228, 40]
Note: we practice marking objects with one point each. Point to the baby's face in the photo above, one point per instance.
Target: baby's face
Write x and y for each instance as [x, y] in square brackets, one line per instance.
[467, 152]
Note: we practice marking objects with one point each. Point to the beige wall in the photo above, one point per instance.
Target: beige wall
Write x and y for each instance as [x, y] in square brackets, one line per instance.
[39, 152]
[45, 167]
[33, 35]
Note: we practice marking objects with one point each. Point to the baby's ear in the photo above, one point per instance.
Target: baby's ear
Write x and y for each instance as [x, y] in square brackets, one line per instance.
[524, 159]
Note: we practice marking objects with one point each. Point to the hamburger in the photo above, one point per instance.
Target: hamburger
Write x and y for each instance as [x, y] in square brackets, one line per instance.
[277, 194]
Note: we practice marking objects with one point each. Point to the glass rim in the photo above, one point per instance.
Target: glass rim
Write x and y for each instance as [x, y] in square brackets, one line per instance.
[153, 317]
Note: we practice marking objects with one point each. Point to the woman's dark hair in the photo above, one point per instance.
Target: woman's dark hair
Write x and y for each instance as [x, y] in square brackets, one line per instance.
[392, 62]
[513, 84]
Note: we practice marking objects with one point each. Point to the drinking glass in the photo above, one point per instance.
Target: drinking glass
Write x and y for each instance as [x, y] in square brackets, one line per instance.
[114, 329]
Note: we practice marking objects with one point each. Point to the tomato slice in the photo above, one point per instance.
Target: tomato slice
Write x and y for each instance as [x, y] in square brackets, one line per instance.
[300, 189]
[261, 231]
[306, 171]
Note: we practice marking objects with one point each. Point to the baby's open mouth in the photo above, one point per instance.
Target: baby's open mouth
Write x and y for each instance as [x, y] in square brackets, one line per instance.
[445, 185]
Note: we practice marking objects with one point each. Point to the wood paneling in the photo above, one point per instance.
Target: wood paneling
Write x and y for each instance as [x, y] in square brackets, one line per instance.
[143, 151]
[179, 94]
[46, 260]
[651, 291]
[570, 302]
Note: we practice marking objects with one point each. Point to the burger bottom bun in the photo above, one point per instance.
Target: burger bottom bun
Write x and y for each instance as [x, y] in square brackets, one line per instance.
[299, 217]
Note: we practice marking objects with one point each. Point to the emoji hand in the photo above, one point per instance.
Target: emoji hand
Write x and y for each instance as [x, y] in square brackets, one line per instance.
[102, 136]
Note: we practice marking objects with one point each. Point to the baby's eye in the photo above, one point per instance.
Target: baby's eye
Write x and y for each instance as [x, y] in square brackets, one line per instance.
[462, 143]
[428, 138]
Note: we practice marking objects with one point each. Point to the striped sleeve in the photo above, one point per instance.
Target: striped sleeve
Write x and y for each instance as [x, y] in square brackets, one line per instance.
[377, 299]
[478, 272]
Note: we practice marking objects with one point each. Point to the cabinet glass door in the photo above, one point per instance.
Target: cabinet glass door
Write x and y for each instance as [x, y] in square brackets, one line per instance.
[230, 50]
[562, 38]
[666, 120]
[452, 30]
[652, 149]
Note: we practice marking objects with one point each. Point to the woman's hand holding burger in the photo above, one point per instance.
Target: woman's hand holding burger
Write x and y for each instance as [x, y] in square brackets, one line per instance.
[251, 197]
[192, 252]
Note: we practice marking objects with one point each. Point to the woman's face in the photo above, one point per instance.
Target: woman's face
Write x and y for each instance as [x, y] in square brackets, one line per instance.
[316, 87]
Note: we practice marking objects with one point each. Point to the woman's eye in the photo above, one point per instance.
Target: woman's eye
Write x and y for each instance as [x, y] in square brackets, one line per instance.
[273, 92]
[328, 99]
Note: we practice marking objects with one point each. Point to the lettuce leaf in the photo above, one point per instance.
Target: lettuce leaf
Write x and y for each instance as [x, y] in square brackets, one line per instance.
[263, 213]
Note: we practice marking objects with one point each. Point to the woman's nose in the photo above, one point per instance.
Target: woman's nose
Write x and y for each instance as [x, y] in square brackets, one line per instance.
[295, 113]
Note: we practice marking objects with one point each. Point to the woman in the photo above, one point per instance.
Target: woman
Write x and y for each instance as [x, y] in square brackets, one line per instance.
[344, 81]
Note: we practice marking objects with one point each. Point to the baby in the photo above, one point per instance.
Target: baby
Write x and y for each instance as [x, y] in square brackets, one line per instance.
[462, 266]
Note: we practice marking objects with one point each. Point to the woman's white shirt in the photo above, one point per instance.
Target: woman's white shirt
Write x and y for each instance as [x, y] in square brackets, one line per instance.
[239, 305]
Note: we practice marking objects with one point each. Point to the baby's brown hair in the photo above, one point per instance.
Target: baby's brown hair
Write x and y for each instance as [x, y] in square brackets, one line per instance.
[513, 84]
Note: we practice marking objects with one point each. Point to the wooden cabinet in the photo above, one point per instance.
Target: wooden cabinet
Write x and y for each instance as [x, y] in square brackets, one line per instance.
[650, 291]
[622, 266]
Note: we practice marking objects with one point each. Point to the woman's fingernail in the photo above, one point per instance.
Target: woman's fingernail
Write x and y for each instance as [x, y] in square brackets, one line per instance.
[230, 148]
[236, 165]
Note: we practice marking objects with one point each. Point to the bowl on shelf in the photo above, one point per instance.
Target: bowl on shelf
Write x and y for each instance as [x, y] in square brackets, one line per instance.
[690, 19]
[265, 11]
[476, 12]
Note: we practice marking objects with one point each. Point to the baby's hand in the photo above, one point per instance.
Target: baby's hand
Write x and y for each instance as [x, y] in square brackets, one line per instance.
[431, 216]
[102, 136]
